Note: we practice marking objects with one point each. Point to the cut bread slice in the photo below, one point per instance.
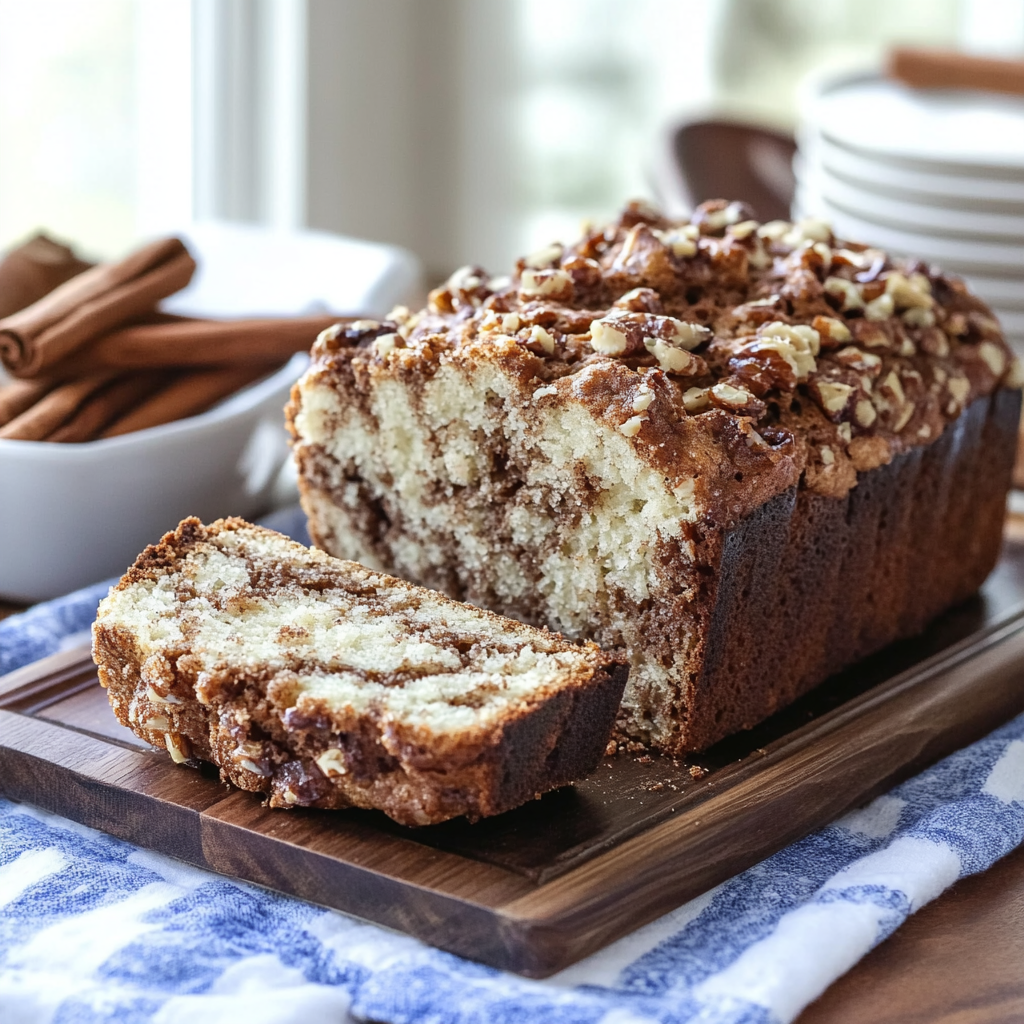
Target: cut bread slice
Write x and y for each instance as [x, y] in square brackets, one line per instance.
[325, 684]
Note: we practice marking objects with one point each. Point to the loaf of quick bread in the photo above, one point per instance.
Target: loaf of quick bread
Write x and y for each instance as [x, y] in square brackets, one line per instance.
[748, 454]
[326, 684]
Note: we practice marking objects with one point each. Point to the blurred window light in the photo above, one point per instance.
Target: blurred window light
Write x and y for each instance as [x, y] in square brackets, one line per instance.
[468, 131]
[596, 80]
[94, 119]
[993, 27]
[762, 52]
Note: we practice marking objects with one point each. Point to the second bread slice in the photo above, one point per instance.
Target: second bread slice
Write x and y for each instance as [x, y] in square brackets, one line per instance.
[325, 684]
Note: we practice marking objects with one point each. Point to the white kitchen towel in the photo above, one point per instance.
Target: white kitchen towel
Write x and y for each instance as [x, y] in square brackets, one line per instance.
[93, 929]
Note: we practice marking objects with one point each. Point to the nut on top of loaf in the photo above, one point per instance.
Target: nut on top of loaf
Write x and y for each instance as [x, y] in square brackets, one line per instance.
[735, 357]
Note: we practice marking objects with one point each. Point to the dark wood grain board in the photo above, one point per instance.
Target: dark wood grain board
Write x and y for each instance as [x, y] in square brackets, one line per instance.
[538, 888]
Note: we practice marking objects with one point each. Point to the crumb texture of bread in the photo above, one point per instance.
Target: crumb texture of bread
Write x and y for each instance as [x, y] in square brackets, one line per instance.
[324, 683]
[583, 445]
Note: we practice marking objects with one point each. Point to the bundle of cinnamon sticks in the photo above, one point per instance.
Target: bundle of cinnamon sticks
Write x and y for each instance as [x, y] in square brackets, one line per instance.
[94, 357]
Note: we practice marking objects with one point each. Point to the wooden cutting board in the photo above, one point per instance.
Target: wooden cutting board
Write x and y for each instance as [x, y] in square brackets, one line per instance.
[538, 888]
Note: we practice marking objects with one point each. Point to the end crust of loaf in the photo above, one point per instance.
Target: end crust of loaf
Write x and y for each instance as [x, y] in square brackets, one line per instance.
[326, 684]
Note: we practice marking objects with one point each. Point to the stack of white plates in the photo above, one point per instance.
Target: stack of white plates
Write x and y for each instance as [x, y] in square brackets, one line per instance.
[933, 174]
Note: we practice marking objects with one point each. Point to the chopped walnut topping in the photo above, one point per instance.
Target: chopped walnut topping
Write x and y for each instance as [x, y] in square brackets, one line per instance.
[674, 360]
[933, 341]
[881, 308]
[632, 426]
[1014, 375]
[549, 256]
[959, 388]
[847, 292]
[178, 747]
[257, 769]
[332, 762]
[546, 284]
[639, 300]
[912, 292]
[774, 230]
[864, 413]
[608, 337]
[356, 327]
[714, 216]
[779, 323]
[744, 229]
[329, 334]
[904, 417]
[667, 339]
[386, 343]
[957, 325]
[735, 399]
[833, 396]
[156, 697]
[798, 345]
[993, 357]
[685, 335]
[810, 229]
[644, 398]
[542, 339]
[917, 316]
[696, 400]
[831, 331]
[465, 279]
[894, 386]
[856, 359]
[681, 240]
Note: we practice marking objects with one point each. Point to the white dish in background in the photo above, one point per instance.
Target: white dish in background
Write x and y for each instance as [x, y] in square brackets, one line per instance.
[975, 225]
[950, 128]
[903, 180]
[74, 514]
[958, 255]
[246, 271]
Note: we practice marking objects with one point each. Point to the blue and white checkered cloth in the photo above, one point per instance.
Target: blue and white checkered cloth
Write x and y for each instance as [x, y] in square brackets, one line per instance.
[93, 929]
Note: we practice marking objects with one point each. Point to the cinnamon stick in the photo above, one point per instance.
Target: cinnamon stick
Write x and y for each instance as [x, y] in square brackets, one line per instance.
[197, 343]
[15, 398]
[189, 395]
[97, 301]
[946, 69]
[106, 405]
[53, 410]
[33, 270]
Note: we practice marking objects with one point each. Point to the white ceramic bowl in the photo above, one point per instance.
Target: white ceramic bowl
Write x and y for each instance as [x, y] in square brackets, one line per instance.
[74, 514]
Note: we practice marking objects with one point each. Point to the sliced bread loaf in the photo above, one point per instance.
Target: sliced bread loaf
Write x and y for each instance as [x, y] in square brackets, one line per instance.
[323, 683]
